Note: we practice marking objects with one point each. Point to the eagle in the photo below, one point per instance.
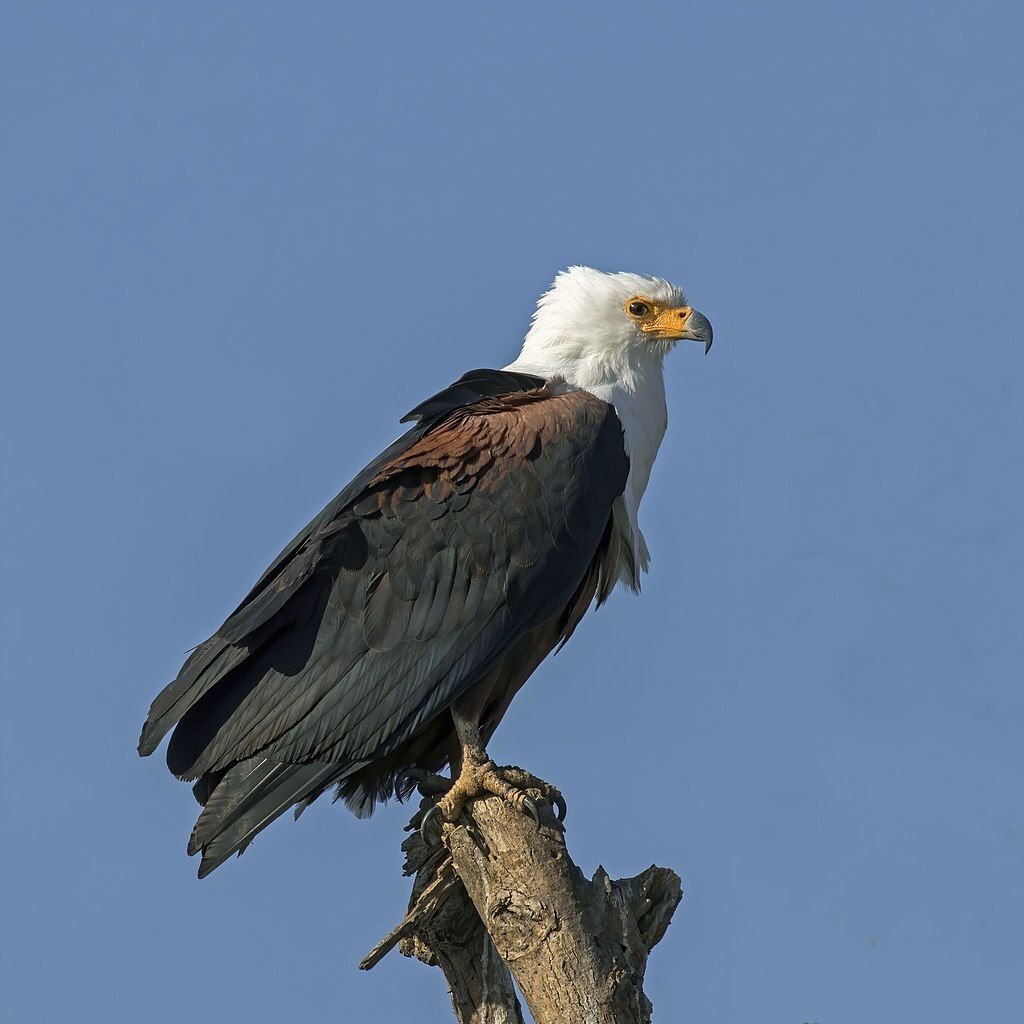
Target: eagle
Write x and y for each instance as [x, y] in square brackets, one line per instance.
[388, 639]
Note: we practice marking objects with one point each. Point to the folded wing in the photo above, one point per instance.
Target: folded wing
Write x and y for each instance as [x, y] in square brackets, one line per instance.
[473, 529]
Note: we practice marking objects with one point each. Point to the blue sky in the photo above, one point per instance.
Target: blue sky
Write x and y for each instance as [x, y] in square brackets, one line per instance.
[241, 240]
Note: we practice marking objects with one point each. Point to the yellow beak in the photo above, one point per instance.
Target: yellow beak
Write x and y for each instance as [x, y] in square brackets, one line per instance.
[681, 322]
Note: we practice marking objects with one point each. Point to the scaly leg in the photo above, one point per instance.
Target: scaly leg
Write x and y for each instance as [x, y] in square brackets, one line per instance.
[480, 776]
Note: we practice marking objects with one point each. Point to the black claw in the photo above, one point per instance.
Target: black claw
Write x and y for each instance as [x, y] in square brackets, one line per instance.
[427, 783]
[531, 808]
[430, 836]
[408, 779]
[560, 808]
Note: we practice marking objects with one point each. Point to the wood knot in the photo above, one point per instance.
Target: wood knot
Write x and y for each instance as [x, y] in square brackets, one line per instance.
[521, 921]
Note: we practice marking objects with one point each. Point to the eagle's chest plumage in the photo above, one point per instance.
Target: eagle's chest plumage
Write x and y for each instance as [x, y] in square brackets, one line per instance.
[644, 419]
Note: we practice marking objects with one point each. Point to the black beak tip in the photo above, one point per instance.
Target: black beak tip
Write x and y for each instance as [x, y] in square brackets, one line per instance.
[701, 330]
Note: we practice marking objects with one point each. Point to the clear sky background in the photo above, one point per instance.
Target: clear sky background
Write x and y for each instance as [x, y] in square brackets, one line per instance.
[240, 240]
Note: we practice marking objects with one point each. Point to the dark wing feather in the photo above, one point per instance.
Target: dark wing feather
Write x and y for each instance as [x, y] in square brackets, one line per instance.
[394, 601]
[212, 660]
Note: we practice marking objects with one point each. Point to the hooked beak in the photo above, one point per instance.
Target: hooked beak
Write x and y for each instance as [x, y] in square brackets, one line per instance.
[698, 328]
[680, 323]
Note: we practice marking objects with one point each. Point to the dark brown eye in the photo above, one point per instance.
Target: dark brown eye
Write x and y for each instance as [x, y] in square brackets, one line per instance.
[639, 308]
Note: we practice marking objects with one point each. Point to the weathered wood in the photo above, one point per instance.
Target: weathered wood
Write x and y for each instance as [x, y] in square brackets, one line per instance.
[426, 901]
[478, 980]
[578, 949]
[504, 892]
[443, 929]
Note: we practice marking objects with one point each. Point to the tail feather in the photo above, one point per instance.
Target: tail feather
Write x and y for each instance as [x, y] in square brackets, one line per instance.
[248, 798]
[230, 796]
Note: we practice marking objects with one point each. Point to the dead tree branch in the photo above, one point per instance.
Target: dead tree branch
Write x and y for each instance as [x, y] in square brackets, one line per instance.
[503, 899]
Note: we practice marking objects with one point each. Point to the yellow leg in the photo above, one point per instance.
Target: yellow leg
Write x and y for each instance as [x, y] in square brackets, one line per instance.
[480, 776]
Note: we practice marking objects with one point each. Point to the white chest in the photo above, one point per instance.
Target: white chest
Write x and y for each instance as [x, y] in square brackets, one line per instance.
[644, 418]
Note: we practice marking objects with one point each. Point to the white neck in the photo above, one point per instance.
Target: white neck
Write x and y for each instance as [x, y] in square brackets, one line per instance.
[632, 381]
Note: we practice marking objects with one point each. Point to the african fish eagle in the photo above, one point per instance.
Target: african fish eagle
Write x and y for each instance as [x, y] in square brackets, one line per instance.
[389, 637]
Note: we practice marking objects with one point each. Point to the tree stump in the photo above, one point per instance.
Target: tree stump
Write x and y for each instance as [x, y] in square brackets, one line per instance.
[502, 899]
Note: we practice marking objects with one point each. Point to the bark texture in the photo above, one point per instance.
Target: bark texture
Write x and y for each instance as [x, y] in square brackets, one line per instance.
[503, 899]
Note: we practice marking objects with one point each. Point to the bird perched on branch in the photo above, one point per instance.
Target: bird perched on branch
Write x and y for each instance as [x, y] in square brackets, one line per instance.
[389, 637]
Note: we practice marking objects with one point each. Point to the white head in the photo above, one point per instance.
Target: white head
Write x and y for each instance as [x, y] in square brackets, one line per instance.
[608, 334]
[597, 328]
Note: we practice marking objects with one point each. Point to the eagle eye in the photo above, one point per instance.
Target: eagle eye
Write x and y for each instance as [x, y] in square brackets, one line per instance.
[638, 308]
